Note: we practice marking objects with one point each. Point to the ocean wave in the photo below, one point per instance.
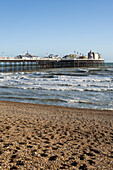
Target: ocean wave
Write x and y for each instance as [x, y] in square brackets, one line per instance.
[67, 87]
[51, 78]
[98, 89]
[83, 101]
[58, 87]
[7, 86]
[33, 98]
[107, 108]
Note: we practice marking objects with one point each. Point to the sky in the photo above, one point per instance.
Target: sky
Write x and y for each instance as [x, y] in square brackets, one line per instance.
[56, 27]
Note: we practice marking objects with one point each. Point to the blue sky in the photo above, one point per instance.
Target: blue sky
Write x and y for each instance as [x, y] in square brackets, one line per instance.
[56, 26]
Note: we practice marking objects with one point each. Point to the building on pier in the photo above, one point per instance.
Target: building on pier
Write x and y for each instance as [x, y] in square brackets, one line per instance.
[95, 56]
[74, 57]
[27, 56]
[91, 56]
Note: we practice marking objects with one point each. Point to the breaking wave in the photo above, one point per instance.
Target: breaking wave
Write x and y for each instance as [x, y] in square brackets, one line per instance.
[89, 87]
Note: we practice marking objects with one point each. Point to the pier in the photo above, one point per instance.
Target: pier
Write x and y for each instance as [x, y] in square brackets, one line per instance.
[30, 64]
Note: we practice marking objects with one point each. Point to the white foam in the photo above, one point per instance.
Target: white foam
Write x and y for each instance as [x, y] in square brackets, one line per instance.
[66, 85]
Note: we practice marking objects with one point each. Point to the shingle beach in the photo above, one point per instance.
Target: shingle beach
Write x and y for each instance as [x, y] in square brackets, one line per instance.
[44, 137]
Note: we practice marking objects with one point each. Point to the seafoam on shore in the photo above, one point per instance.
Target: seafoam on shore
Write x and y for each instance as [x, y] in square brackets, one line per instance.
[72, 87]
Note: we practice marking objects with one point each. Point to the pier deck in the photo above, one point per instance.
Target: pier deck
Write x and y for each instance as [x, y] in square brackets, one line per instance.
[24, 64]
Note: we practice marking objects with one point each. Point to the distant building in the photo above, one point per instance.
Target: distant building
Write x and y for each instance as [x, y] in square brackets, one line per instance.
[52, 56]
[92, 55]
[83, 57]
[71, 56]
[3, 58]
[74, 56]
[27, 56]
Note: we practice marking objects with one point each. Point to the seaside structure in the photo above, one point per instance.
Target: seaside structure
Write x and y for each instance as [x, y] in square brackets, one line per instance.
[54, 61]
[92, 55]
[27, 56]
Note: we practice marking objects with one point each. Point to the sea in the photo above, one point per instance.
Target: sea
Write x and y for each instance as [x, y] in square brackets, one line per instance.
[71, 87]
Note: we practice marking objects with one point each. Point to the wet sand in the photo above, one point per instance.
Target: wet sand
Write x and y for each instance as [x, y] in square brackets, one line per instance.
[52, 137]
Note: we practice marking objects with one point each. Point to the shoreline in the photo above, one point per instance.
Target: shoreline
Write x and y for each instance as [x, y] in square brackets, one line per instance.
[35, 136]
[57, 106]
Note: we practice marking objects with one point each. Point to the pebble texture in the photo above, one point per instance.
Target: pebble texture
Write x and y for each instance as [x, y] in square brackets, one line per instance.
[51, 137]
